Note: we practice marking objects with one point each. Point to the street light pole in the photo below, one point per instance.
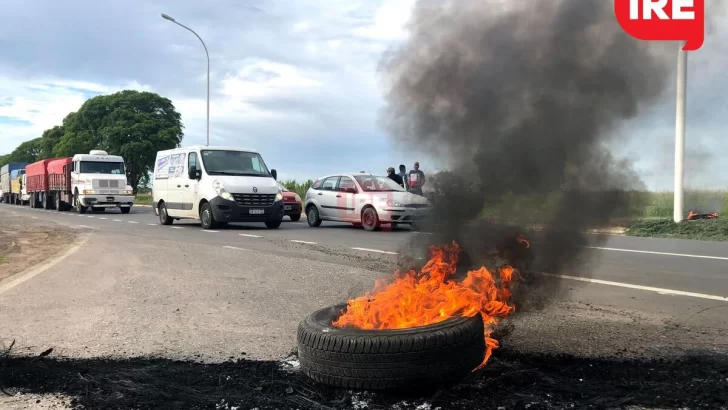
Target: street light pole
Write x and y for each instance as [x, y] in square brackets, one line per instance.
[166, 17]
[682, 68]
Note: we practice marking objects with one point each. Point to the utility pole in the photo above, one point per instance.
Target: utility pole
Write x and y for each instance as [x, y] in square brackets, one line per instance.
[682, 74]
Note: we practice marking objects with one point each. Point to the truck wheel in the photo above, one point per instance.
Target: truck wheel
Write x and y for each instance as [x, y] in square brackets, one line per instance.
[207, 219]
[125, 210]
[77, 204]
[59, 203]
[164, 219]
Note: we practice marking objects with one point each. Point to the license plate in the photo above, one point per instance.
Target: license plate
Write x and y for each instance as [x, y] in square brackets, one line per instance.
[256, 211]
[287, 207]
[109, 199]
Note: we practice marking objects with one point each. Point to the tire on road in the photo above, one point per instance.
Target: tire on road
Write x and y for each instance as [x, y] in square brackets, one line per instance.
[295, 217]
[164, 218]
[400, 359]
[207, 219]
[312, 216]
[370, 219]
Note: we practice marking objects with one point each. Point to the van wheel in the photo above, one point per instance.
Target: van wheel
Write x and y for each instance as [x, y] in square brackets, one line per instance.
[370, 219]
[273, 224]
[207, 219]
[312, 216]
[164, 219]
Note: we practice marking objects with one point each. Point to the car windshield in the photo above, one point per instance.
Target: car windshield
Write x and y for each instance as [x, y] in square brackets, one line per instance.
[376, 183]
[100, 167]
[241, 163]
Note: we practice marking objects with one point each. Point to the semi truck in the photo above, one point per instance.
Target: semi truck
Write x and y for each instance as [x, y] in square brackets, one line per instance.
[95, 180]
[5, 178]
[16, 186]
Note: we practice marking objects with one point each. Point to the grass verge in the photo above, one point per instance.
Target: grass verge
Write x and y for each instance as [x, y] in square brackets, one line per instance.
[704, 229]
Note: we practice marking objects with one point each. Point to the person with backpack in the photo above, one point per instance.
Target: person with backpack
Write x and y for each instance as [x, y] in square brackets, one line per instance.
[416, 179]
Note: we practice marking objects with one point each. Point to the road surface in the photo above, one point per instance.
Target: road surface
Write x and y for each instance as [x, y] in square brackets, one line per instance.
[136, 288]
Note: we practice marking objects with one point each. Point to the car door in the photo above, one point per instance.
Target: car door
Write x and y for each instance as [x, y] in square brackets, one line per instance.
[346, 192]
[175, 185]
[327, 197]
[191, 187]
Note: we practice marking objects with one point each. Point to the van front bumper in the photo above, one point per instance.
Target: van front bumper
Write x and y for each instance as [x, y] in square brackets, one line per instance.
[107, 201]
[229, 211]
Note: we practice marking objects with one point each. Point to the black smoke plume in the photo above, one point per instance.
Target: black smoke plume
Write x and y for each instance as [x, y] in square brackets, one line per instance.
[520, 101]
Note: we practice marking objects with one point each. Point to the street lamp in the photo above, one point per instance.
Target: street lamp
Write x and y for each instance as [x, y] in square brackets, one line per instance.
[166, 17]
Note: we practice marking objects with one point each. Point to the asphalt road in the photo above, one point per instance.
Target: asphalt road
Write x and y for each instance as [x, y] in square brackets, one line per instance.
[136, 287]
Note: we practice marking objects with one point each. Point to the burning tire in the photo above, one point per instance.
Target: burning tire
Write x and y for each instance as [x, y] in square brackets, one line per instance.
[437, 354]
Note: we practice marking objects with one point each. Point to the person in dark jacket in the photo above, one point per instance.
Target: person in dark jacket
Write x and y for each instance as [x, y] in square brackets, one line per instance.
[403, 173]
[394, 177]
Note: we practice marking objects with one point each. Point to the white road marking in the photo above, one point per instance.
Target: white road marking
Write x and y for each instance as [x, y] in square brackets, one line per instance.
[176, 227]
[80, 216]
[375, 250]
[235, 248]
[661, 291]
[86, 226]
[103, 218]
[249, 235]
[34, 217]
[306, 242]
[152, 224]
[686, 255]
[116, 220]
[133, 222]
[90, 216]
[206, 230]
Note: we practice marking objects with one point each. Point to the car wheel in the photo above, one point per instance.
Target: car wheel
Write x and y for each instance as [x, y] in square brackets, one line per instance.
[164, 218]
[434, 355]
[370, 219]
[312, 215]
[207, 219]
[295, 218]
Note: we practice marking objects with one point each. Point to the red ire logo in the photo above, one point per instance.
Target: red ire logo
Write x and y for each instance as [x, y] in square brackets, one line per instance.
[663, 20]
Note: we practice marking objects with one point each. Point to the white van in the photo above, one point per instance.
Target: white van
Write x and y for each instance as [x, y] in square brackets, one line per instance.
[215, 185]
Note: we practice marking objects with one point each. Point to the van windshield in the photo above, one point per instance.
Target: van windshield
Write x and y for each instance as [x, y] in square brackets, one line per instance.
[100, 167]
[240, 163]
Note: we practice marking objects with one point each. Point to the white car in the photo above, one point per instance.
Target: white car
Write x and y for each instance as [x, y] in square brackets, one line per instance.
[364, 200]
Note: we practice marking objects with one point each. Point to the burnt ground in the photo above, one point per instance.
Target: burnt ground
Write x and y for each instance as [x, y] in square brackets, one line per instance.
[511, 380]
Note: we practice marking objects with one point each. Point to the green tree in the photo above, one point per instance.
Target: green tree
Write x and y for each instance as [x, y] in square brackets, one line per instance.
[129, 123]
[48, 141]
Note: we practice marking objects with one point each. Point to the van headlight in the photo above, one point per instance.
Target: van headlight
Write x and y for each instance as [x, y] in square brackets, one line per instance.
[279, 197]
[221, 191]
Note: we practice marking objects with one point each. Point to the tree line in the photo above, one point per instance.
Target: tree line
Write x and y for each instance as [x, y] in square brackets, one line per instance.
[133, 124]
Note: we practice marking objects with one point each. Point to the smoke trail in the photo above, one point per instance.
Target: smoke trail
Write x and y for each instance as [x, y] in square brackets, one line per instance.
[520, 101]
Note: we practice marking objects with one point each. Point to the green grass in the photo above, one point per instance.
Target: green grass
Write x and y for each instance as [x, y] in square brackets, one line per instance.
[704, 229]
[143, 199]
[2, 259]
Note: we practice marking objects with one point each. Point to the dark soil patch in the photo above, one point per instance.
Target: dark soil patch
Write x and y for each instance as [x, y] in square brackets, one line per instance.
[511, 380]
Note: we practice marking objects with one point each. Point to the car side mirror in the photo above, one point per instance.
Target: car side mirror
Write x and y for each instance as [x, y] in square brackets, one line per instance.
[194, 173]
[274, 173]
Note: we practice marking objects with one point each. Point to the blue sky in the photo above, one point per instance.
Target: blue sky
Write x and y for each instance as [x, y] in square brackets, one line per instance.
[296, 80]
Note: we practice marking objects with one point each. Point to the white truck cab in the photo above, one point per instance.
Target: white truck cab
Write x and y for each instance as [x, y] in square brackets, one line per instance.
[24, 195]
[215, 185]
[98, 180]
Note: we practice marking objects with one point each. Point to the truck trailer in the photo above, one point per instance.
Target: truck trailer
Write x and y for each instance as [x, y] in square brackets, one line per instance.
[5, 187]
[36, 179]
[95, 180]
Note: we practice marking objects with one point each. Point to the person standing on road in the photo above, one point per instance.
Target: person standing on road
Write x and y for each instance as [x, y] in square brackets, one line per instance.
[416, 180]
[403, 173]
[394, 177]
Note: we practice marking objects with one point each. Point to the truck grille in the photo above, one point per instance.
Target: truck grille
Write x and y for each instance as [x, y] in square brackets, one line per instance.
[254, 199]
[106, 183]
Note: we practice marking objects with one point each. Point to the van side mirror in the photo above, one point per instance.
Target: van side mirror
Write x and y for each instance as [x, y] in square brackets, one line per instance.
[274, 173]
[194, 173]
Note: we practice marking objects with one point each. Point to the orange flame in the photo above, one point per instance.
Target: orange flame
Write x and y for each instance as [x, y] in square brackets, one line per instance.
[692, 215]
[430, 296]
